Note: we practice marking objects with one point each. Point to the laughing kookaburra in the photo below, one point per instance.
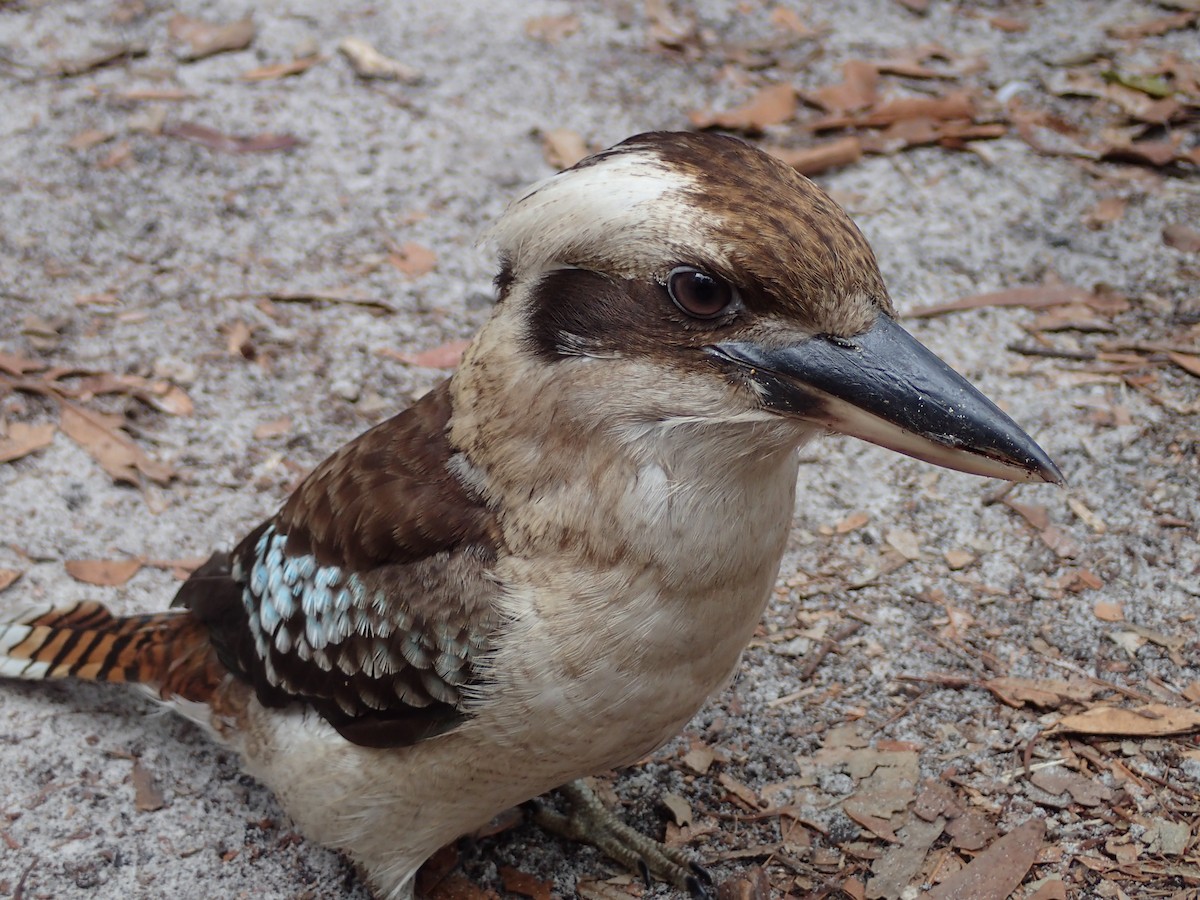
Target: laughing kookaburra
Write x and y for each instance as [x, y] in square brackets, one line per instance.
[541, 569]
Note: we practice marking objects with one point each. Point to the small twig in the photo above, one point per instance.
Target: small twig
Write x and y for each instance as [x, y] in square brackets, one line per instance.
[19, 890]
[318, 297]
[904, 710]
[1149, 347]
[974, 665]
[1027, 756]
[827, 646]
[950, 681]
[1053, 353]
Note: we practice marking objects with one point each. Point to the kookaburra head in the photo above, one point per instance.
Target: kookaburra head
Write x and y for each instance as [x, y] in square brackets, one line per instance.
[690, 282]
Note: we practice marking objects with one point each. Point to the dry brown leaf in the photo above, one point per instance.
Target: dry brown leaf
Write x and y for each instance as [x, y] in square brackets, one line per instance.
[1032, 297]
[161, 394]
[238, 340]
[446, 356]
[88, 138]
[103, 572]
[518, 882]
[1108, 611]
[119, 156]
[1105, 212]
[667, 27]
[738, 790]
[1053, 889]
[435, 871]
[206, 39]
[955, 105]
[23, 439]
[971, 830]
[888, 781]
[753, 884]
[1080, 580]
[852, 522]
[911, 68]
[273, 428]
[1072, 317]
[282, 69]
[857, 90]
[1147, 153]
[906, 543]
[772, 105]
[551, 29]
[623, 887]
[1186, 361]
[457, 887]
[1151, 720]
[106, 56]
[413, 260]
[820, 157]
[169, 398]
[563, 147]
[8, 577]
[179, 568]
[958, 559]
[230, 143]
[17, 366]
[679, 808]
[117, 454]
[1173, 643]
[1153, 27]
[1044, 693]
[1181, 237]
[895, 870]
[788, 19]
[147, 795]
[1063, 545]
[1083, 790]
[996, 872]
[1135, 104]
[878, 826]
[699, 759]
[1008, 24]
[368, 62]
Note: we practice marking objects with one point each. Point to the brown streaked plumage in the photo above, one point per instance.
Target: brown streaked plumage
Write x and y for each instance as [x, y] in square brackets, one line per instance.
[542, 568]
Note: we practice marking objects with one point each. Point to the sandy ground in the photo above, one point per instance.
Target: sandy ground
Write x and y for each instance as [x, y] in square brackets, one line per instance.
[144, 254]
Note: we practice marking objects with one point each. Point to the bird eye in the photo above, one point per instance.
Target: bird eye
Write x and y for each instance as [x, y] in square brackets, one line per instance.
[697, 293]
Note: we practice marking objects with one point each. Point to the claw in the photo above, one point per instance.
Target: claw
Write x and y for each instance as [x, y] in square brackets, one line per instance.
[644, 870]
[698, 889]
[702, 874]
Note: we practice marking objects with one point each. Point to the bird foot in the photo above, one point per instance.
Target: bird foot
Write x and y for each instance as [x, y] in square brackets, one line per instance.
[593, 823]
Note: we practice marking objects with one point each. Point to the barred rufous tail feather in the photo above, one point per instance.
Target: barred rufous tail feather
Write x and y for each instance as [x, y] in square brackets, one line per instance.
[168, 652]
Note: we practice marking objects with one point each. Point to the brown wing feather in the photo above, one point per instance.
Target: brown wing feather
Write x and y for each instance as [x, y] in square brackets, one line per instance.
[388, 496]
[369, 595]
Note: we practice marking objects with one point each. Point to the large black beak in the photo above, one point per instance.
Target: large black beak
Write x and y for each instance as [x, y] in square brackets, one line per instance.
[885, 387]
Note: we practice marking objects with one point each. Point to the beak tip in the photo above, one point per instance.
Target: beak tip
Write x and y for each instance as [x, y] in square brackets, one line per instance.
[1043, 469]
[1047, 474]
[1052, 474]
